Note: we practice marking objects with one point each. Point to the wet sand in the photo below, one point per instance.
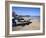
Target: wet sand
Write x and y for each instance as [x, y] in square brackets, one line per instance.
[35, 25]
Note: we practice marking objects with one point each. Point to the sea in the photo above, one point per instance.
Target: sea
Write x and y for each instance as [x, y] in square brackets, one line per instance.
[35, 18]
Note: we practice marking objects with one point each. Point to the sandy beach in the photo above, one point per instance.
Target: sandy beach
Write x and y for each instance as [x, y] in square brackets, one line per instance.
[35, 25]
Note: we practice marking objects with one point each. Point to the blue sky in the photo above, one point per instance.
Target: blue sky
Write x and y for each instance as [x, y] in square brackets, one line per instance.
[26, 11]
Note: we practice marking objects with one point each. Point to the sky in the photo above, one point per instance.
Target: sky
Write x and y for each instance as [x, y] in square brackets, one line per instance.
[26, 11]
